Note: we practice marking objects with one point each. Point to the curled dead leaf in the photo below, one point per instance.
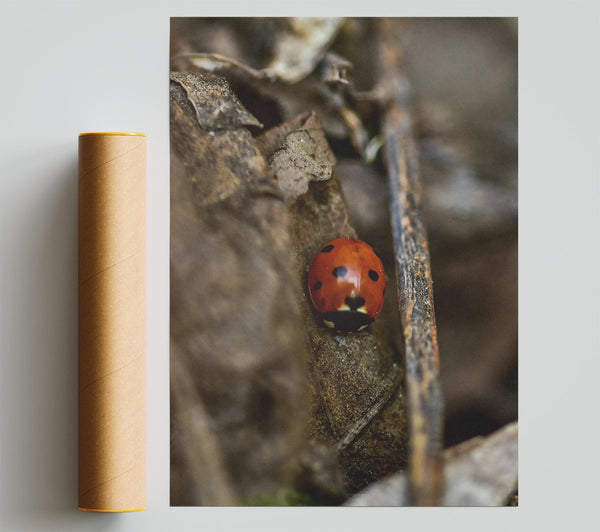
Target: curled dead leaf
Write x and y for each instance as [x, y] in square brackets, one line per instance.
[480, 472]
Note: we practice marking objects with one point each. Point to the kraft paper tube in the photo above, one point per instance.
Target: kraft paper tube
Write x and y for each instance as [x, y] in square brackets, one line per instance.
[112, 322]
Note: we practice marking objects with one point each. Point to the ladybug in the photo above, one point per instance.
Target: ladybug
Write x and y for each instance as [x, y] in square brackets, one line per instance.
[347, 284]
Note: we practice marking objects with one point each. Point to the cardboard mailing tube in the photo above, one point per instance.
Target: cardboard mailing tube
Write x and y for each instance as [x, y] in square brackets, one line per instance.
[112, 322]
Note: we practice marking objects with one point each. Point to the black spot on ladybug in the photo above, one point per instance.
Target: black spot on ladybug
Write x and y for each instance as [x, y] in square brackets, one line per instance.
[384, 288]
[354, 302]
[317, 285]
[327, 248]
[373, 275]
[340, 271]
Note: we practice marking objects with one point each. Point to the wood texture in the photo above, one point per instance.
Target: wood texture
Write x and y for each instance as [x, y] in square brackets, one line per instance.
[415, 285]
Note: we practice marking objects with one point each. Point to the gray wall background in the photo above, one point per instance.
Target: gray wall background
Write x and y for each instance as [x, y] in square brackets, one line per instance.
[68, 67]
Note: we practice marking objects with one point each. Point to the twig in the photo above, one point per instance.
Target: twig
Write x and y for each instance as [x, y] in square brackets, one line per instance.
[415, 290]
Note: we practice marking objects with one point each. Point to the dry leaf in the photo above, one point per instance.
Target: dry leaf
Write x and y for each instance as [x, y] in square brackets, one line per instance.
[302, 157]
[358, 404]
[236, 327]
[480, 472]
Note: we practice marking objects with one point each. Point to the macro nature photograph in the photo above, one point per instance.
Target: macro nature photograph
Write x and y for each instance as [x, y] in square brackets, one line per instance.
[343, 261]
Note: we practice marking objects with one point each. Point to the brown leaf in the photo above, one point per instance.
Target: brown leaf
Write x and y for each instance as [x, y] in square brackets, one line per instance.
[289, 66]
[215, 106]
[303, 156]
[282, 49]
[236, 327]
[358, 405]
[215, 153]
[480, 472]
[301, 45]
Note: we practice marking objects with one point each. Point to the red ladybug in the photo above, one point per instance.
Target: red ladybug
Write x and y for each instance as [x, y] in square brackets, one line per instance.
[347, 283]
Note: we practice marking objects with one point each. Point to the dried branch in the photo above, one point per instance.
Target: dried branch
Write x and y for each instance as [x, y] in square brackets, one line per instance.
[415, 290]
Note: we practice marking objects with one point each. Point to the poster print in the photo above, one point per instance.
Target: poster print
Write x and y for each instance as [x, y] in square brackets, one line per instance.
[301, 372]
